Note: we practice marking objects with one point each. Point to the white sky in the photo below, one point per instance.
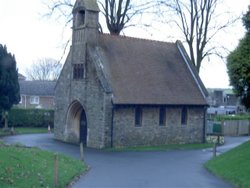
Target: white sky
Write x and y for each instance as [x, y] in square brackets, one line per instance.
[30, 36]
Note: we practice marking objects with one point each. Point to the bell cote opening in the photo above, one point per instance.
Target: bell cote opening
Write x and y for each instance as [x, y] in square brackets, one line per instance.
[80, 18]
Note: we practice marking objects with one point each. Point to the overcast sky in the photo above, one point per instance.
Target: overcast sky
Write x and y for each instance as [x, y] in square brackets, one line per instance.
[30, 36]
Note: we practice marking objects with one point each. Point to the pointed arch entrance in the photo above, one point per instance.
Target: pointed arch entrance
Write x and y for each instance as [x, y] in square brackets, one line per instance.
[77, 127]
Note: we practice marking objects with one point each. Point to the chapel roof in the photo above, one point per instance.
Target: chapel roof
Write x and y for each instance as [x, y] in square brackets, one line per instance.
[147, 72]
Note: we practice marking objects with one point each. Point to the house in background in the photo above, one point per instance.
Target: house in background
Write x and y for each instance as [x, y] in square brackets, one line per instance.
[21, 77]
[117, 91]
[36, 94]
[223, 101]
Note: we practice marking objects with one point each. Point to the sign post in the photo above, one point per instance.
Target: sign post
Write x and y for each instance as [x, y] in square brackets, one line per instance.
[81, 152]
[216, 131]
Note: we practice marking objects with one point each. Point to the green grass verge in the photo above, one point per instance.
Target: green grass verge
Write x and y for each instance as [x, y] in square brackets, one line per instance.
[32, 167]
[27, 130]
[162, 147]
[233, 166]
[24, 130]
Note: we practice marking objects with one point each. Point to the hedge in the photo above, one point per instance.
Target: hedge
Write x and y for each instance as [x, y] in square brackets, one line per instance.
[31, 118]
[232, 117]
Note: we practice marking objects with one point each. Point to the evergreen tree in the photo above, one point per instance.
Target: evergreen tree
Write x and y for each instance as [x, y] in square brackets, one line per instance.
[246, 20]
[238, 64]
[9, 85]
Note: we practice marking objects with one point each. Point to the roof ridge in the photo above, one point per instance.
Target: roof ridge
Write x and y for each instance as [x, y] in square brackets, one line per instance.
[136, 38]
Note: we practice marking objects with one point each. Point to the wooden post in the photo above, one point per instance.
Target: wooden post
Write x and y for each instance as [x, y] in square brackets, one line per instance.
[215, 145]
[12, 131]
[218, 139]
[249, 128]
[56, 170]
[81, 152]
[214, 150]
[49, 130]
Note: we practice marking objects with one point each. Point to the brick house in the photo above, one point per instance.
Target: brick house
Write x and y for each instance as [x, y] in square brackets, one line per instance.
[119, 91]
[37, 94]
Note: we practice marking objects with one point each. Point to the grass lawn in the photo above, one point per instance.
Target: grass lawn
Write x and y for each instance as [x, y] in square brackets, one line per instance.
[28, 130]
[24, 130]
[233, 166]
[162, 147]
[32, 167]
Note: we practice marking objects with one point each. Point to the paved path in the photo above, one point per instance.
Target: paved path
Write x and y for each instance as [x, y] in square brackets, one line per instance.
[173, 169]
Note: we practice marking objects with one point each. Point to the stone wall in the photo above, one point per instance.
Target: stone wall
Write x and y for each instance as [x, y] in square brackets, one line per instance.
[125, 133]
[62, 100]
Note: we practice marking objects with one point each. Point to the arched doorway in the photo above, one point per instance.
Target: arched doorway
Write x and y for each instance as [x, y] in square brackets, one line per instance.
[77, 128]
[83, 128]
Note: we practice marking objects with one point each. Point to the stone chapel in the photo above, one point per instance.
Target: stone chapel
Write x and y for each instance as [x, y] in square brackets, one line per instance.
[117, 91]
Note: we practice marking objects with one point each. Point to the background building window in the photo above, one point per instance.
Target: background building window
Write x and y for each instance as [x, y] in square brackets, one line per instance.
[184, 116]
[138, 116]
[34, 100]
[162, 116]
[78, 71]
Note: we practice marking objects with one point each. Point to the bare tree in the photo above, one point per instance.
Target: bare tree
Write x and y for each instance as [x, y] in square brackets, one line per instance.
[60, 9]
[44, 69]
[198, 22]
[118, 14]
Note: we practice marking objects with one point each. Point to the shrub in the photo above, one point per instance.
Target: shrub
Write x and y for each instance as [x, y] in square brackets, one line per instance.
[31, 118]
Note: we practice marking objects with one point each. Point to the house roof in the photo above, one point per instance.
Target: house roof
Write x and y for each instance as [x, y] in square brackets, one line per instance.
[21, 77]
[148, 72]
[37, 88]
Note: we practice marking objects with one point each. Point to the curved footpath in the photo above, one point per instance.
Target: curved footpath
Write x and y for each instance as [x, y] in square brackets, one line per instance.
[173, 169]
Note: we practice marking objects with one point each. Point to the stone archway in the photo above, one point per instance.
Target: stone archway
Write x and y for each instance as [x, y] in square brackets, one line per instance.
[76, 129]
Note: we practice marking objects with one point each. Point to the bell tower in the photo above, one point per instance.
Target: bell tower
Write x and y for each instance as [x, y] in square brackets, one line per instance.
[85, 22]
[84, 32]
